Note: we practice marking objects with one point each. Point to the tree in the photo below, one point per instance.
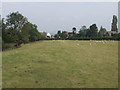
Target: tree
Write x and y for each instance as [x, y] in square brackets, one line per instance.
[114, 24]
[25, 33]
[17, 30]
[64, 35]
[56, 36]
[116, 36]
[16, 20]
[0, 27]
[34, 34]
[74, 30]
[0, 34]
[59, 34]
[14, 23]
[8, 34]
[83, 31]
[93, 31]
[102, 32]
[3, 26]
[88, 32]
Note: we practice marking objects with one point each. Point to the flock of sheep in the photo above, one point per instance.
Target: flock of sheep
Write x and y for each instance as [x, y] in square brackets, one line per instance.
[96, 41]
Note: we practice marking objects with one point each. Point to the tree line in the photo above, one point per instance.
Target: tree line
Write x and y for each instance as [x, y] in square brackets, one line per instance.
[16, 30]
[91, 33]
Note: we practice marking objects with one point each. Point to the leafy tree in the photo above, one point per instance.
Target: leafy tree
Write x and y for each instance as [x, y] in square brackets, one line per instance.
[56, 36]
[16, 20]
[88, 33]
[93, 31]
[64, 35]
[24, 34]
[30, 33]
[74, 30]
[3, 26]
[0, 33]
[17, 29]
[33, 32]
[59, 34]
[114, 24]
[8, 34]
[14, 23]
[83, 31]
[0, 27]
[116, 36]
[102, 32]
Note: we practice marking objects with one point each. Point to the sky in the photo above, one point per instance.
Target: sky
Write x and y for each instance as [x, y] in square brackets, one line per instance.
[119, 16]
[54, 16]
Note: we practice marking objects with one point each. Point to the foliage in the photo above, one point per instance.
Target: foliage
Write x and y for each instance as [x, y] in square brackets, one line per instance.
[93, 30]
[74, 30]
[102, 32]
[58, 35]
[64, 35]
[17, 29]
[16, 21]
[6, 46]
[116, 36]
[83, 31]
[114, 24]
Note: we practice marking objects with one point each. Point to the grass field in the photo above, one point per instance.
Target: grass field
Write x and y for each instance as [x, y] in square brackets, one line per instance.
[62, 64]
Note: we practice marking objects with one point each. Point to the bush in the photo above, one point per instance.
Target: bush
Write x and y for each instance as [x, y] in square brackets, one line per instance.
[6, 46]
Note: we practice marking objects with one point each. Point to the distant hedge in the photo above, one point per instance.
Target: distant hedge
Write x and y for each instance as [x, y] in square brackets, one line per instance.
[86, 38]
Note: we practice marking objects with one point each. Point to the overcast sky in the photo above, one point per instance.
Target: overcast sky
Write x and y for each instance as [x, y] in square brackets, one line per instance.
[51, 16]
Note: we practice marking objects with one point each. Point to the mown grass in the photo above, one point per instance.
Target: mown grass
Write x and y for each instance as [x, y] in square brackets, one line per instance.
[62, 64]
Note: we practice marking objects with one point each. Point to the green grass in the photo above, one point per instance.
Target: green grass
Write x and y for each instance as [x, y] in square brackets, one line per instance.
[62, 64]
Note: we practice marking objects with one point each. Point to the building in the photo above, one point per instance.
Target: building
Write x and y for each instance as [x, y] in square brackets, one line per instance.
[110, 33]
[46, 35]
[70, 34]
